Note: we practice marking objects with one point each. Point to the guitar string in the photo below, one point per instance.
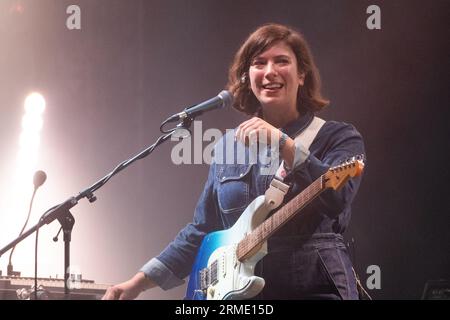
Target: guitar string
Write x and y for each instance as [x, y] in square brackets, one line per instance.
[280, 217]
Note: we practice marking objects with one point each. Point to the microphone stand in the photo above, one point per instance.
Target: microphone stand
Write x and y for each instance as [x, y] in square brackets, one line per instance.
[62, 212]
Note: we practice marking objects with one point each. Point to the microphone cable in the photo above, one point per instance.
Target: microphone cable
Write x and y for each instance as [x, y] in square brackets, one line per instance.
[10, 271]
[38, 180]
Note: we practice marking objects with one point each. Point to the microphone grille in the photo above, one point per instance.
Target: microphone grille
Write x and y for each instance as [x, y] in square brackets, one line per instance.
[39, 178]
[227, 98]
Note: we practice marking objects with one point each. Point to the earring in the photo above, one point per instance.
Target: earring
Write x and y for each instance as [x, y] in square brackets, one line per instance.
[244, 78]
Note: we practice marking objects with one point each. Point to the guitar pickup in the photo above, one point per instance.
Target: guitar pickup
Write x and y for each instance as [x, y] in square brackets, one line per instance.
[213, 271]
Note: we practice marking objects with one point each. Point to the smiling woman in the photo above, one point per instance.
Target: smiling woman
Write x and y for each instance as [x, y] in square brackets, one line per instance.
[273, 78]
[295, 55]
[275, 81]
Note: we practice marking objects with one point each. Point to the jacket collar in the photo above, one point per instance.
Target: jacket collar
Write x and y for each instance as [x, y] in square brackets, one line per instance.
[294, 128]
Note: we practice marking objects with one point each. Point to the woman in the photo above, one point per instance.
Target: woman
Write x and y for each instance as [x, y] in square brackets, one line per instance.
[273, 77]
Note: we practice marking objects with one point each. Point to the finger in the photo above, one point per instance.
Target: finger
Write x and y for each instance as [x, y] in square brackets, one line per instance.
[106, 295]
[264, 132]
[242, 126]
[110, 294]
[242, 133]
[252, 122]
[252, 137]
[251, 134]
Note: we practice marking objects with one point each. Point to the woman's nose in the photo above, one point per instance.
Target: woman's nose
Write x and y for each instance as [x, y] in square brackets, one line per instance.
[270, 70]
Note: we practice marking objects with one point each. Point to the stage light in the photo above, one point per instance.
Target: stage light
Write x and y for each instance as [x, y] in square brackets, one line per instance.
[35, 103]
[15, 199]
[32, 123]
[17, 8]
[25, 165]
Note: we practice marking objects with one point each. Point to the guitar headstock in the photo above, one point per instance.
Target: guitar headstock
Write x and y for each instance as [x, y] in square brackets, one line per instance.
[335, 177]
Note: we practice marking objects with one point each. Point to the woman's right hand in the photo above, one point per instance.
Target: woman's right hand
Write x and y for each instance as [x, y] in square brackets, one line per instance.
[130, 289]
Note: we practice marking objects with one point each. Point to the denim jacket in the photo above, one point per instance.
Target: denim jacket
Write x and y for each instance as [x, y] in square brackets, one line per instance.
[230, 188]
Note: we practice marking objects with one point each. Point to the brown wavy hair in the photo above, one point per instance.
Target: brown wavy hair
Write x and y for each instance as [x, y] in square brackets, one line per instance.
[309, 97]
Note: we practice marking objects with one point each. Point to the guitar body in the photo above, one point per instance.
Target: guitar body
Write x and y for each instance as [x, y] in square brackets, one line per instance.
[217, 274]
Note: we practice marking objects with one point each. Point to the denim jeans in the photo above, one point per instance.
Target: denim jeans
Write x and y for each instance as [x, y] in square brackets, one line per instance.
[316, 268]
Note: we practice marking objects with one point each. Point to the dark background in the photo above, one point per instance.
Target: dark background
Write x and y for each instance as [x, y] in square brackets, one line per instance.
[133, 63]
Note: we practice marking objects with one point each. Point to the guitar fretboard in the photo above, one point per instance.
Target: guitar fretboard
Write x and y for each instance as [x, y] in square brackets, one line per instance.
[261, 233]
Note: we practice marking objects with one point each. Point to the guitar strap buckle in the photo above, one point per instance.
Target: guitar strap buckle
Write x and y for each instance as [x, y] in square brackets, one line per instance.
[275, 194]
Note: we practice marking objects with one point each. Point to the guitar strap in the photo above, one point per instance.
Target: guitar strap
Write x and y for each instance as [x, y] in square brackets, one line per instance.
[275, 193]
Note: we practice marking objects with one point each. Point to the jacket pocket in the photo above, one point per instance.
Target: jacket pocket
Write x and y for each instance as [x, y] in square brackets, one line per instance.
[233, 190]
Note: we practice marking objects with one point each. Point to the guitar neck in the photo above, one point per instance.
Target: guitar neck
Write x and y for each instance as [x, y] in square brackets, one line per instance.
[260, 234]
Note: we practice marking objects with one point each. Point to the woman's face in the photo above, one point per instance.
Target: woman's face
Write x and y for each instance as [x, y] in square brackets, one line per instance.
[275, 78]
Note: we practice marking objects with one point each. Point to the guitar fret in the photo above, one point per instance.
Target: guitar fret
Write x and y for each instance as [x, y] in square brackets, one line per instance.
[284, 214]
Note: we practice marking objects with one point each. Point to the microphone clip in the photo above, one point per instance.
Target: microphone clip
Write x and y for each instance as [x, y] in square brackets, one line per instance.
[184, 123]
[91, 197]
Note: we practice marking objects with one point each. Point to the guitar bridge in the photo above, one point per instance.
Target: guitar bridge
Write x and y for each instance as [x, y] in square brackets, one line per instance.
[204, 279]
[208, 276]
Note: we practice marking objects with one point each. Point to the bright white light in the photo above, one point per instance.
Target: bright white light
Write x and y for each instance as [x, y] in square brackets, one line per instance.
[15, 200]
[28, 142]
[35, 103]
[32, 122]
[27, 154]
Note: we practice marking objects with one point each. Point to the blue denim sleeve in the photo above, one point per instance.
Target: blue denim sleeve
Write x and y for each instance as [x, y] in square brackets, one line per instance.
[337, 142]
[175, 261]
[161, 275]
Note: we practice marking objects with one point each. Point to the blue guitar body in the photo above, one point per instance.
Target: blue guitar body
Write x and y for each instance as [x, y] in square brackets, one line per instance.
[217, 274]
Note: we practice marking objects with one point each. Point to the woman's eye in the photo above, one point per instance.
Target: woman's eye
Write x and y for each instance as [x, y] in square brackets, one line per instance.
[283, 61]
[258, 63]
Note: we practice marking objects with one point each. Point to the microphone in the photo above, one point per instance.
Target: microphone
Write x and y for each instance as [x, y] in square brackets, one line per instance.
[39, 178]
[223, 99]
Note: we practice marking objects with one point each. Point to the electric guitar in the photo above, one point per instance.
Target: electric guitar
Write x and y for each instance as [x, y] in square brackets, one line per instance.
[225, 263]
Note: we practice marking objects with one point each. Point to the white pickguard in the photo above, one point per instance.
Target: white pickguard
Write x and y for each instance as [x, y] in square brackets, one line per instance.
[235, 279]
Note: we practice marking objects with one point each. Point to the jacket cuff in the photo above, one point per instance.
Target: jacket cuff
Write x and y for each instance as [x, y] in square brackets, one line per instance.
[300, 155]
[161, 275]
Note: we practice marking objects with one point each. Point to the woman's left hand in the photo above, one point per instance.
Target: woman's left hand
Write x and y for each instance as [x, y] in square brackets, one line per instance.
[256, 130]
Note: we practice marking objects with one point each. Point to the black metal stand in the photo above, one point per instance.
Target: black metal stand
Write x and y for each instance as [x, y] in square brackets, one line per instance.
[62, 214]
[67, 221]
